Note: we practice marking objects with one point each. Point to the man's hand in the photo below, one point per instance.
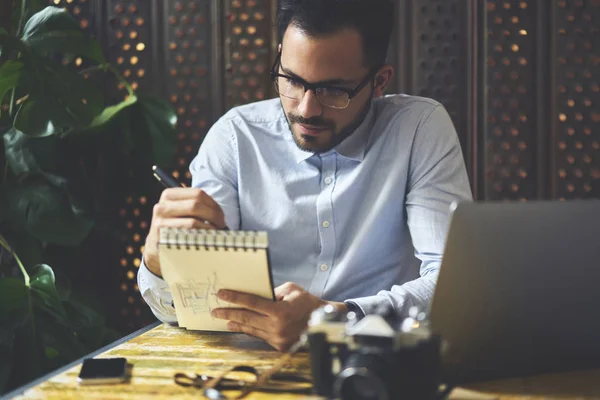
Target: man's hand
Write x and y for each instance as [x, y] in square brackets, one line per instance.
[279, 323]
[180, 208]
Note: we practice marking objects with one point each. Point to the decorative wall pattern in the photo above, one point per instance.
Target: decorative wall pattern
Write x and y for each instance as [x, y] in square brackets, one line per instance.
[576, 142]
[510, 137]
[188, 74]
[439, 56]
[83, 10]
[130, 45]
[430, 49]
[248, 34]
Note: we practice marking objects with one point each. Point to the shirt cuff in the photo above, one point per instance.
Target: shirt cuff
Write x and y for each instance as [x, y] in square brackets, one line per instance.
[355, 308]
[156, 294]
[369, 305]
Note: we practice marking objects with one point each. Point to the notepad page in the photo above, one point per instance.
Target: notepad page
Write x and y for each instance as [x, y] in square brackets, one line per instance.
[195, 275]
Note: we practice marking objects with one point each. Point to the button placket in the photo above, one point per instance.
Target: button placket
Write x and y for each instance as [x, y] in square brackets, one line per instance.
[324, 261]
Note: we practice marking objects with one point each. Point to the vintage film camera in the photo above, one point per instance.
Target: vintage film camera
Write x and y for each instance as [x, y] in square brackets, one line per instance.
[378, 357]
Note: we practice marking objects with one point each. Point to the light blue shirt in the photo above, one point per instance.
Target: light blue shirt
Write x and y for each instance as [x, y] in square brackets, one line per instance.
[365, 222]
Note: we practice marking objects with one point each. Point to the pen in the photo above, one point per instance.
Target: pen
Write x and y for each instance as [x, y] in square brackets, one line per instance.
[170, 182]
[164, 178]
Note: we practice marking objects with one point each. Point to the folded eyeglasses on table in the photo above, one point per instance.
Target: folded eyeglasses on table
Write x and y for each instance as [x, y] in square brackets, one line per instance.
[212, 386]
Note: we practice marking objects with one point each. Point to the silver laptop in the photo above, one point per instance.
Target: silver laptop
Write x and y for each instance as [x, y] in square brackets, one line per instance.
[519, 290]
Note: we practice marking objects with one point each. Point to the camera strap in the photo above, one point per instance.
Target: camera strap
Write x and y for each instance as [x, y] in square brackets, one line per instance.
[262, 383]
[265, 376]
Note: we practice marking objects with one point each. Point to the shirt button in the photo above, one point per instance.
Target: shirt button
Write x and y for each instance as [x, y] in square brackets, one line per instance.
[326, 224]
[324, 267]
[328, 180]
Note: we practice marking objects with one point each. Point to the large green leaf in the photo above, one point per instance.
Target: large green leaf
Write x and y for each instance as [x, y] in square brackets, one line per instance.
[32, 6]
[13, 302]
[10, 74]
[54, 30]
[13, 312]
[35, 118]
[156, 120]
[26, 362]
[55, 334]
[7, 338]
[46, 212]
[50, 19]
[57, 343]
[45, 297]
[109, 113]
[86, 322]
[16, 331]
[4, 188]
[61, 100]
[30, 154]
[29, 249]
[9, 43]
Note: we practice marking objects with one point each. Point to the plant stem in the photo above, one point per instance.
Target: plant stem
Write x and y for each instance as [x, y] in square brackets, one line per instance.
[102, 67]
[11, 105]
[12, 102]
[21, 17]
[122, 80]
[5, 244]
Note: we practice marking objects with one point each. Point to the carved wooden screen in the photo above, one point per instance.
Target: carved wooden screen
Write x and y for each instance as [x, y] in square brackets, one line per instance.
[575, 128]
[430, 50]
[510, 143]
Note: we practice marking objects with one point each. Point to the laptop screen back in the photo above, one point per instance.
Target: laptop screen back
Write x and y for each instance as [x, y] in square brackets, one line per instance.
[519, 289]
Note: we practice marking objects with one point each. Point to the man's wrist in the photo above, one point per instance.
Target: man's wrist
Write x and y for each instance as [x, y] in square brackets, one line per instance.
[153, 267]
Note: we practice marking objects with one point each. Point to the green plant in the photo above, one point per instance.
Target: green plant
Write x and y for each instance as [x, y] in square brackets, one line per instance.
[65, 148]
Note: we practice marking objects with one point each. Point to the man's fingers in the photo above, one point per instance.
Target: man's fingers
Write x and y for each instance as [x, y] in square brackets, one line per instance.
[248, 301]
[188, 208]
[192, 208]
[189, 223]
[180, 193]
[249, 330]
[243, 317]
[285, 289]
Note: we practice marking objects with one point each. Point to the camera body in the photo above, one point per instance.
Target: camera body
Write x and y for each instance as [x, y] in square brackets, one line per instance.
[372, 358]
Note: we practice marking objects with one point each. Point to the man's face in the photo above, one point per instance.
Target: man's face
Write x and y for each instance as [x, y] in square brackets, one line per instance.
[335, 60]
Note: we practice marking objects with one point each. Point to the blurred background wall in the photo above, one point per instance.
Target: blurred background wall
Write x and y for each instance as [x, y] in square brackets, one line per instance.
[521, 80]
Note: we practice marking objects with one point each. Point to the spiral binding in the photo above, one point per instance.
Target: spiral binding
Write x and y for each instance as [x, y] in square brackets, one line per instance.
[188, 239]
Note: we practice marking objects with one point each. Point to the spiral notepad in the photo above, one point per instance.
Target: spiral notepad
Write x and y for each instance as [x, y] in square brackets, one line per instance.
[196, 263]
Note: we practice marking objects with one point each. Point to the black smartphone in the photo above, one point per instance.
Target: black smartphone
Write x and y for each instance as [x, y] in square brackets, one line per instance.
[102, 371]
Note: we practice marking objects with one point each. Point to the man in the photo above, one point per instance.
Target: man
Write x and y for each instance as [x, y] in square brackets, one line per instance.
[353, 188]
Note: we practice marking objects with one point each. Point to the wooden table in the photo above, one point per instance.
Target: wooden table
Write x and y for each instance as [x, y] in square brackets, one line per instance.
[158, 351]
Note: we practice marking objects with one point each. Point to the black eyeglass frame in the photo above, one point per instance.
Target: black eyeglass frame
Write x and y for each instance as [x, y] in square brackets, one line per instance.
[314, 86]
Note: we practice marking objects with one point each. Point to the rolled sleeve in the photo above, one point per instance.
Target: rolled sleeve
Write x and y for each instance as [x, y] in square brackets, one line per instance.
[156, 294]
[437, 178]
[214, 171]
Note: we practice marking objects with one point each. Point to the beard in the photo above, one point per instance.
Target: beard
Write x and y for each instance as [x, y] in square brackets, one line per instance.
[330, 136]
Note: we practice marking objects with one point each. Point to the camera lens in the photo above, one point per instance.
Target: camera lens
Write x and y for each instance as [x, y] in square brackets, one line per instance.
[368, 374]
[360, 384]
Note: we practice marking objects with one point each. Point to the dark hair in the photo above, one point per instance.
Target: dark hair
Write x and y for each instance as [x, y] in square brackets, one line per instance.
[373, 19]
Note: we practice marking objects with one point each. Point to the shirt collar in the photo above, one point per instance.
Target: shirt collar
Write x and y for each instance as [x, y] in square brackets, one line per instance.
[353, 147]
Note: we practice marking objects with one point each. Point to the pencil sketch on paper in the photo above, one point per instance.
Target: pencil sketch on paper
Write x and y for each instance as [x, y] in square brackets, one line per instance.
[200, 296]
